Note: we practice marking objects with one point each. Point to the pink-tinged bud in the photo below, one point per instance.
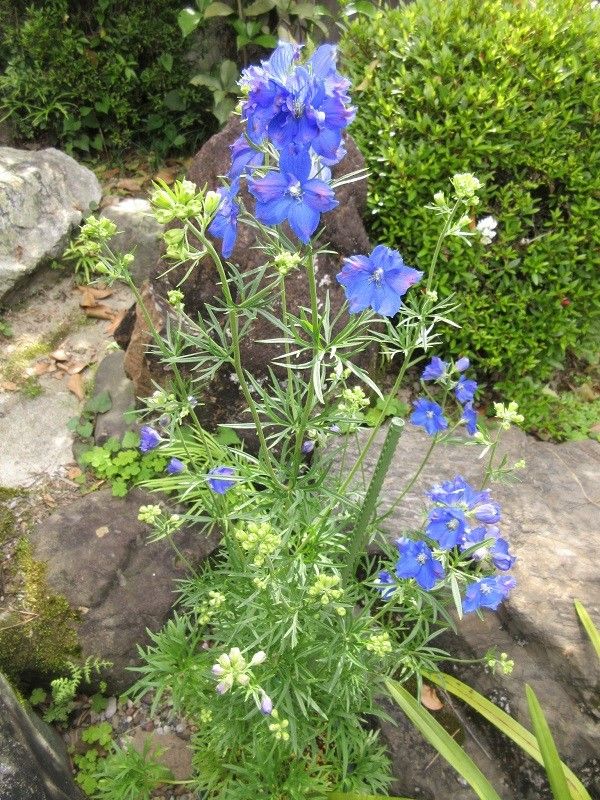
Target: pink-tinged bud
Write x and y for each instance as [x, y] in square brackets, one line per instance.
[225, 684]
[266, 704]
[217, 670]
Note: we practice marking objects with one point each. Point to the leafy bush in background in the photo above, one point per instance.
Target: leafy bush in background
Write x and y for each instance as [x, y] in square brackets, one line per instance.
[511, 92]
[99, 76]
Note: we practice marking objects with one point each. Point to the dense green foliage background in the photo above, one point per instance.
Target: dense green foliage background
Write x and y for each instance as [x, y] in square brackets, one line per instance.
[99, 76]
[511, 92]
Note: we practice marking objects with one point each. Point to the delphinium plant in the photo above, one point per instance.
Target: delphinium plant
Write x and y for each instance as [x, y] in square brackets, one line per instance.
[281, 645]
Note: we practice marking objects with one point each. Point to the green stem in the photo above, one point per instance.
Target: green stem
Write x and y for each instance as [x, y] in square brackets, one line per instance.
[438, 245]
[410, 484]
[359, 538]
[310, 394]
[237, 361]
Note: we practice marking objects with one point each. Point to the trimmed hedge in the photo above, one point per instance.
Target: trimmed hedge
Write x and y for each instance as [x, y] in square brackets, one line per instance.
[511, 92]
[103, 75]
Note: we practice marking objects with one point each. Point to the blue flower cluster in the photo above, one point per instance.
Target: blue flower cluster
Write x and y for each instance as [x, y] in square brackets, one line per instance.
[461, 518]
[428, 414]
[300, 111]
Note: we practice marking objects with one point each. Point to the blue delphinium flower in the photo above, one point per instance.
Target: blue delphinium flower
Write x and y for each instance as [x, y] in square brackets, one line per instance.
[462, 364]
[416, 561]
[434, 370]
[220, 479]
[292, 195]
[429, 415]
[446, 526]
[244, 158]
[465, 390]
[469, 417]
[386, 585]
[175, 467]
[224, 224]
[308, 446]
[149, 438]
[487, 592]
[500, 555]
[378, 281]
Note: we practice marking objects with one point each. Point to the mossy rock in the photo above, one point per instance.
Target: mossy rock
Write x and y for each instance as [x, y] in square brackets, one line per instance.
[38, 637]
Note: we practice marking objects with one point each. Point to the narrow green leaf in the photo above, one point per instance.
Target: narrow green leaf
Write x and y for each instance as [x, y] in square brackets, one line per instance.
[504, 723]
[591, 630]
[360, 796]
[433, 732]
[552, 762]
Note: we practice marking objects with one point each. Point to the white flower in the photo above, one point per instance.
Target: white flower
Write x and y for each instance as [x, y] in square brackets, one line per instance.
[487, 229]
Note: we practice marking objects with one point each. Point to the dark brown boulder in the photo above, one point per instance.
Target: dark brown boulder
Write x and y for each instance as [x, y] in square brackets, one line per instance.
[344, 233]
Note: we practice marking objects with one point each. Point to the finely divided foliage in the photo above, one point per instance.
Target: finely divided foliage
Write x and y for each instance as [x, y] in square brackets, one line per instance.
[278, 648]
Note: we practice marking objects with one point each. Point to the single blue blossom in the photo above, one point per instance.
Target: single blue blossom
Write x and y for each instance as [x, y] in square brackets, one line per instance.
[462, 364]
[469, 417]
[487, 592]
[446, 526]
[434, 370]
[416, 561]
[465, 390]
[244, 158]
[386, 585]
[220, 480]
[292, 195]
[175, 467]
[308, 446]
[429, 415]
[149, 438]
[378, 281]
[458, 492]
[224, 224]
[486, 512]
[500, 555]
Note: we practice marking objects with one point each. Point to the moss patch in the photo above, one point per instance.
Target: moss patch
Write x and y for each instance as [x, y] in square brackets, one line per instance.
[38, 636]
[7, 516]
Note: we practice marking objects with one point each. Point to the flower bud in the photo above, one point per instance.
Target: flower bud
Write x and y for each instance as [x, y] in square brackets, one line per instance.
[212, 201]
[266, 704]
[258, 658]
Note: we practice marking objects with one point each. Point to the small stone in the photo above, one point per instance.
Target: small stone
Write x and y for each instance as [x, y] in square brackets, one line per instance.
[111, 708]
[128, 718]
[148, 727]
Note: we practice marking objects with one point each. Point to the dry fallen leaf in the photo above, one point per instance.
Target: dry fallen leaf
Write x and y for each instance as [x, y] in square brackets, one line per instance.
[100, 311]
[166, 174]
[49, 500]
[110, 329]
[74, 472]
[59, 355]
[74, 368]
[75, 385]
[87, 299]
[42, 367]
[99, 292]
[430, 699]
[9, 386]
[101, 532]
[132, 185]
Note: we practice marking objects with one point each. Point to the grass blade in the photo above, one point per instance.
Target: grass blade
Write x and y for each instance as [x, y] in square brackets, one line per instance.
[552, 762]
[505, 724]
[591, 630]
[433, 732]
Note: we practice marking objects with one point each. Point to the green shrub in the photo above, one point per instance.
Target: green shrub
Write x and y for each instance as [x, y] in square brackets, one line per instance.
[100, 76]
[509, 91]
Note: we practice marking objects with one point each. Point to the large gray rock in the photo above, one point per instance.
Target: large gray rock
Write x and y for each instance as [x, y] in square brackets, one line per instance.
[99, 559]
[43, 195]
[33, 760]
[552, 519]
[138, 233]
[110, 377]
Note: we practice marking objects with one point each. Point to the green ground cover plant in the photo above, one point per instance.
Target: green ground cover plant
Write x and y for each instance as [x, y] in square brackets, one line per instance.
[100, 77]
[510, 91]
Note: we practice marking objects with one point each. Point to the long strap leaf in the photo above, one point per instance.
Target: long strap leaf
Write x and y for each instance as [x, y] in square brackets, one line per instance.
[505, 724]
[591, 630]
[359, 796]
[552, 762]
[433, 732]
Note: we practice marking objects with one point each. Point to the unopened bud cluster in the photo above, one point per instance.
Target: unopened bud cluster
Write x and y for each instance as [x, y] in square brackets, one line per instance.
[353, 401]
[326, 590]
[508, 415]
[285, 262]
[379, 643]
[232, 668]
[260, 539]
[209, 607]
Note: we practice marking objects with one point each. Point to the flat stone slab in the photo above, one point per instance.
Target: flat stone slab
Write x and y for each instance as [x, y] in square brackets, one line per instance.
[552, 520]
[99, 559]
[34, 437]
[138, 233]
